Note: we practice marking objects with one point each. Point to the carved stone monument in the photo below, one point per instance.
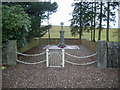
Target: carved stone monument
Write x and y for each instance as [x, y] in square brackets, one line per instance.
[61, 44]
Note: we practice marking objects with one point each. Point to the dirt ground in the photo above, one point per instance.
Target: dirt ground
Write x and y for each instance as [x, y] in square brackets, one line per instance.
[71, 76]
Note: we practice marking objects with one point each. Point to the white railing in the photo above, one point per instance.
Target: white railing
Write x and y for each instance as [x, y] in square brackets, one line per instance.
[30, 63]
[30, 54]
[82, 57]
[63, 57]
[92, 62]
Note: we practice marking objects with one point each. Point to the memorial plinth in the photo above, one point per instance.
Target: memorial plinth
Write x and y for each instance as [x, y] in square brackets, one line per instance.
[56, 47]
[55, 56]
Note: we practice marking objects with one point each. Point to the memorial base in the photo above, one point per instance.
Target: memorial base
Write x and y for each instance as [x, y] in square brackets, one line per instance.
[61, 45]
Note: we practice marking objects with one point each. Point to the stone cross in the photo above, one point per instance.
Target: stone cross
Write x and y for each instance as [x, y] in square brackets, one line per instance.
[62, 44]
[61, 25]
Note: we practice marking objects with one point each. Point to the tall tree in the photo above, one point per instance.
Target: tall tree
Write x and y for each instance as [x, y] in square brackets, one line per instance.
[15, 24]
[108, 18]
[81, 19]
[76, 21]
[44, 7]
[52, 7]
[111, 6]
[94, 20]
[85, 17]
[38, 12]
[100, 23]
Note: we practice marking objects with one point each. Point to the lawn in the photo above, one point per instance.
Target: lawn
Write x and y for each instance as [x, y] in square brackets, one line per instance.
[54, 33]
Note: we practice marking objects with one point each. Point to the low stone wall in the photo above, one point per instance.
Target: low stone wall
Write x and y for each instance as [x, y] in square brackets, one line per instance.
[89, 44]
[70, 41]
[108, 54]
[57, 41]
[9, 55]
[4, 56]
[113, 54]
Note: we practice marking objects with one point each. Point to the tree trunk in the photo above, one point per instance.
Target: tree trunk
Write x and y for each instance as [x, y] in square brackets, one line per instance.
[94, 22]
[100, 27]
[48, 24]
[80, 34]
[80, 20]
[108, 16]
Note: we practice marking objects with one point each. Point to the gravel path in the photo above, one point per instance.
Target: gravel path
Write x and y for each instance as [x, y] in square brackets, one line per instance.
[71, 76]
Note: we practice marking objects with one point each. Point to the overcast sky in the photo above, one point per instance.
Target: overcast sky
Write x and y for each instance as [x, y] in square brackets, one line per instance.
[63, 13]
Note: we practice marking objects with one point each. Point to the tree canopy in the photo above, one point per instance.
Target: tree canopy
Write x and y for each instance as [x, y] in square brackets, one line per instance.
[38, 11]
[22, 20]
[87, 16]
[15, 24]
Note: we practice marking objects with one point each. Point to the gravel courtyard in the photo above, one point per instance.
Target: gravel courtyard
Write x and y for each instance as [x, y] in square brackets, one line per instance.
[71, 76]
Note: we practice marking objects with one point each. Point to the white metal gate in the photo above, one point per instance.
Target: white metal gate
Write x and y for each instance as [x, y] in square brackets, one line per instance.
[55, 58]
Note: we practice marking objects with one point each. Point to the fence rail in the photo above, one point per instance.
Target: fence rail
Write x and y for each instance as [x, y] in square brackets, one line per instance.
[107, 54]
[82, 64]
[82, 57]
[30, 54]
[30, 63]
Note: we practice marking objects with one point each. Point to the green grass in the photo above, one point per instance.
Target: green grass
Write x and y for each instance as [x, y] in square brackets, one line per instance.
[54, 33]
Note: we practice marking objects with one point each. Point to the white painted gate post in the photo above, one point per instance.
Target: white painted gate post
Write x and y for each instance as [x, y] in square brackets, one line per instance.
[47, 59]
[63, 57]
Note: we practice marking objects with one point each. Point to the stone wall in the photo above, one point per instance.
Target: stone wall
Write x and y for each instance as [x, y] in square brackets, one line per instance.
[9, 55]
[108, 54]
[57, 41]
[69, 41]
[113, 54]
[4, 55]
[89, 44]
[101, 54]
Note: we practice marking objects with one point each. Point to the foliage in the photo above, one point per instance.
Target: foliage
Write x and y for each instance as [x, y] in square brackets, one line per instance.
[23, 20]
[42, 31]
[15, 24]
[39, 32]
[74, 30]
[81, 18]
[38, 11]
[85, 35]
[87, 16]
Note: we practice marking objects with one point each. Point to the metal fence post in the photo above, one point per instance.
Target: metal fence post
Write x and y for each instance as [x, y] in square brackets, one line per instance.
[47, 58]
[63, 57]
